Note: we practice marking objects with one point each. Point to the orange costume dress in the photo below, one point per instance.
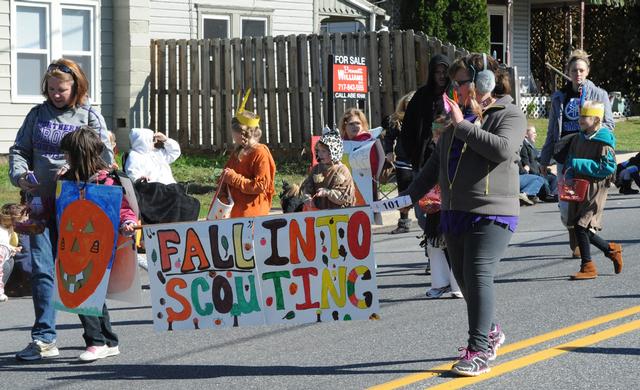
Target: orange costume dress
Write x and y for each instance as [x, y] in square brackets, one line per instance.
[251, 183]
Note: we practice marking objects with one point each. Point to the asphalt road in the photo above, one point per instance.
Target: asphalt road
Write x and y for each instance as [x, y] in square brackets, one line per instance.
[560, 334]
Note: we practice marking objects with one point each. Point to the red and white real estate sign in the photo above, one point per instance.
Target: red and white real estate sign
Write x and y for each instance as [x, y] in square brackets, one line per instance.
[350, 77]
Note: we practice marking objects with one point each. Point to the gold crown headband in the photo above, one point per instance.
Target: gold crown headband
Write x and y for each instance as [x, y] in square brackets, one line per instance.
[592, 111]
[241, 113]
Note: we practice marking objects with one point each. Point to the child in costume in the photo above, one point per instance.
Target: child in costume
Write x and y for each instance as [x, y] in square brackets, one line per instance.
[329, 184]
[250, 172]
[591, 157]
[10, 213]
[82, 149]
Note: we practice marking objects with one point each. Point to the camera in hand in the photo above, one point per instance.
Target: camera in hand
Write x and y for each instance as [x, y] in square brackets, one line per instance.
[158, 144]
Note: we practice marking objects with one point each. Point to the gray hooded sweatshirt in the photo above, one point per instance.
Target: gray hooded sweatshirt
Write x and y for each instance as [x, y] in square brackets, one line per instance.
[37, 144]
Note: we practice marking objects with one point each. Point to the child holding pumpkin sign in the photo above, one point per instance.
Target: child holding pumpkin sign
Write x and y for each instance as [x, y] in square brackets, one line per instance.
[82, 149]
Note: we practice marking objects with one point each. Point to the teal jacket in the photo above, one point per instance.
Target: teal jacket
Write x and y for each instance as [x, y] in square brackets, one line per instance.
[598, 167]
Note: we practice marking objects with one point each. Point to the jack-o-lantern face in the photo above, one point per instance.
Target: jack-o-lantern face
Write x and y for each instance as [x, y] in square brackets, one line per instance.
[85, 246]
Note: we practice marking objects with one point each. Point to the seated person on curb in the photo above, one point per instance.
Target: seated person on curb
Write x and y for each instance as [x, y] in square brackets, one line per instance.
[625, 172]
[529, 165]
[530, 186]
[160, 198]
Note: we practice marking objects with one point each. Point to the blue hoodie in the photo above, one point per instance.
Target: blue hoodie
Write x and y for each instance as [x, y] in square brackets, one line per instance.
[37, 144]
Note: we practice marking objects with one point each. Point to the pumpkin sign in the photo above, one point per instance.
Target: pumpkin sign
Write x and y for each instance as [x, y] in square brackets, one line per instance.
[85, 247]
[88, 218]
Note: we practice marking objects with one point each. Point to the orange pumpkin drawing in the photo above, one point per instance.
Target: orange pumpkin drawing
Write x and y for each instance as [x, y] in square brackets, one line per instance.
[85, 246]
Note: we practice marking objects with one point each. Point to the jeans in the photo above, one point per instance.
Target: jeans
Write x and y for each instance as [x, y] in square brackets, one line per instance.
[585, 238]
[531, 184]
[43, 251]
[97, 330]
[474, 257]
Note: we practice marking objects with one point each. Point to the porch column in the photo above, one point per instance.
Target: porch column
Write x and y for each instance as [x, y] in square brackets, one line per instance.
[131, 67]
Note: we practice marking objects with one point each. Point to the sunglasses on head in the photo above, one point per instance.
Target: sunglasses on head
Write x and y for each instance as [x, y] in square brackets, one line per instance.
[61, 67]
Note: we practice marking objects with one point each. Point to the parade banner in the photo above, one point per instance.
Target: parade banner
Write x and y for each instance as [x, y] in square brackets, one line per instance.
[88, 217]
[290, 268]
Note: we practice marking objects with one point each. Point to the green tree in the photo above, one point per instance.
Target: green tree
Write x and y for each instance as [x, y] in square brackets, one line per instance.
[468, 24]
[463, 23]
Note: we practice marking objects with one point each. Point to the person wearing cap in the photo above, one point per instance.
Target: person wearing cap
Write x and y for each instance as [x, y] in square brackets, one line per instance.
[329, 185]
[592, 157]
[250, 172]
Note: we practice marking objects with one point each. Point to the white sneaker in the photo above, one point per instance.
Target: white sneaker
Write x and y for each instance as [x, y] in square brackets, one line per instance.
[456, 294]
[3, 298]
[37, 350]
[96, 352]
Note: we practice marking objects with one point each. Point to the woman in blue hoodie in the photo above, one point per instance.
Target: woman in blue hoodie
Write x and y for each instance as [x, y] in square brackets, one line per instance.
[37, 150]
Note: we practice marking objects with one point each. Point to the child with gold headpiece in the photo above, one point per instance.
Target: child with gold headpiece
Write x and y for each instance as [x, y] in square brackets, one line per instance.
[592, 157]
[250, 171]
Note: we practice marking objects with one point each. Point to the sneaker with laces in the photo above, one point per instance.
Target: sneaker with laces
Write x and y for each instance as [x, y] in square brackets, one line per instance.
[496, 339]
[3, 297]
[471, 363]
[96, 352]
[37, 350]
[436, 293]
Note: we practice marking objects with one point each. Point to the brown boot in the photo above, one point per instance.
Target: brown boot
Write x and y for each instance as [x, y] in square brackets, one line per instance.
[615, 254]
[587, 271]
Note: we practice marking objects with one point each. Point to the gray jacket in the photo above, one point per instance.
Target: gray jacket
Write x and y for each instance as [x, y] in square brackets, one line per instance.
[486, 180]
[555, 116]
[37, 144]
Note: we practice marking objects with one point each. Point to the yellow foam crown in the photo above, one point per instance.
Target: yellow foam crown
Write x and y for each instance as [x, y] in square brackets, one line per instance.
[241, 113]
[592, 111]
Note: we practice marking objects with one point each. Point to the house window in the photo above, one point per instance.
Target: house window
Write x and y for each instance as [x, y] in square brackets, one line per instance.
[214, 26]
[254, 27]
[498, 32]
[44, 31]
[234, 22]
[341, 26]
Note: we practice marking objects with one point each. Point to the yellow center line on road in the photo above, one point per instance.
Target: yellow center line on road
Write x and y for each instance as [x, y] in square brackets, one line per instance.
[536, 357]
[437, 370]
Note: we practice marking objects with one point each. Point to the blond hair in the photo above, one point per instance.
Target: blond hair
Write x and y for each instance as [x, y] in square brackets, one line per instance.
[252, 134]
[345, 118]
[578, 55]
[593, 108]
[398, 115]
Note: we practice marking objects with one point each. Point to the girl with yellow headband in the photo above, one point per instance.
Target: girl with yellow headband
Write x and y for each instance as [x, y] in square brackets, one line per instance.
[591, 157]
[250, 171]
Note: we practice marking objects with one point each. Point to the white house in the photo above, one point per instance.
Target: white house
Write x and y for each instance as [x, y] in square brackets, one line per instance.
[110, 39]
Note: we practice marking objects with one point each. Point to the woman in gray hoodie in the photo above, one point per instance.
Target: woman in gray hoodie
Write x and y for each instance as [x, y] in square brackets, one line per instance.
[37, 150]
[475, 163]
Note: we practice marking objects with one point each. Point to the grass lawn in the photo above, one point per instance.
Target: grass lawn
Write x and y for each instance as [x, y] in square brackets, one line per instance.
[205, 169]
[627, 134]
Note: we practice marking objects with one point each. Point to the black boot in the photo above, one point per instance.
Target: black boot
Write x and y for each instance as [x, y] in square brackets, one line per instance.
[625, 188]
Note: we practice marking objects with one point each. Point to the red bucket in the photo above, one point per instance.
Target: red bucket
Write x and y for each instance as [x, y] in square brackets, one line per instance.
[573, 190]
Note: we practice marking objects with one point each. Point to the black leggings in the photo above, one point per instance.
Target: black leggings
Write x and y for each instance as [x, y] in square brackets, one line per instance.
[585, 238]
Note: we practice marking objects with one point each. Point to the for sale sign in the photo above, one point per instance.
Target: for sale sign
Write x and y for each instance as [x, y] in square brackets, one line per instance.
[350, 77]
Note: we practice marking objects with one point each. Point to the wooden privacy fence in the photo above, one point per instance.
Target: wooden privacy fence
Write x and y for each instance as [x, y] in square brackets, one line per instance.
[194, 84]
